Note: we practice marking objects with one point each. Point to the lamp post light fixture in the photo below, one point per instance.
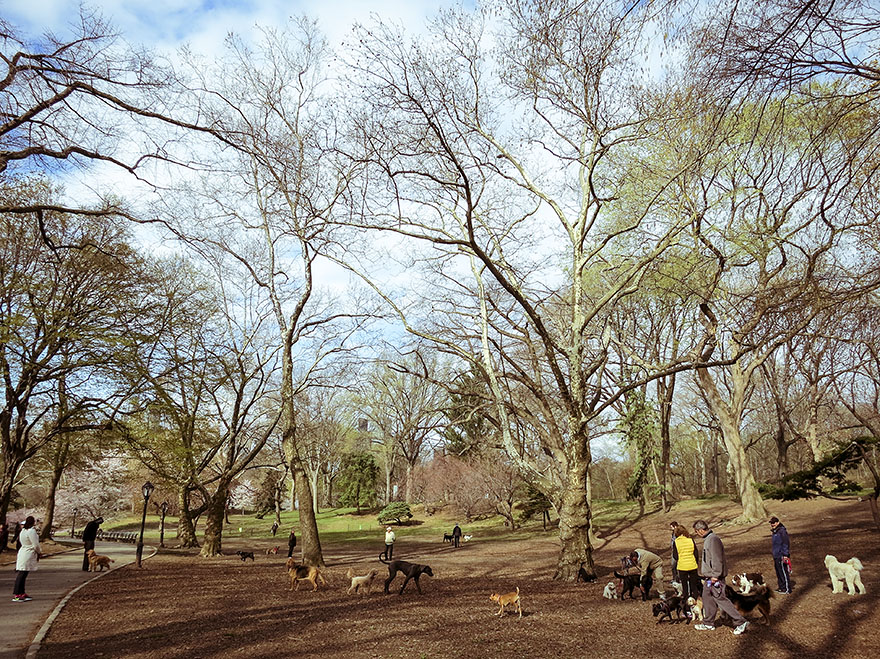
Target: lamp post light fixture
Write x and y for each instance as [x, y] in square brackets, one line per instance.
[146, 490]
[73, 524]
[164, 509]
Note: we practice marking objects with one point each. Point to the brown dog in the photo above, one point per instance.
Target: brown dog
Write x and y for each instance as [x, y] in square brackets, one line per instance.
[507, 598]
[304, 573]
[97, 561]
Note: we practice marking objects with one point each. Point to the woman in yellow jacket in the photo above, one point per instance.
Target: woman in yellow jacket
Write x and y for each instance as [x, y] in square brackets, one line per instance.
[684, 557]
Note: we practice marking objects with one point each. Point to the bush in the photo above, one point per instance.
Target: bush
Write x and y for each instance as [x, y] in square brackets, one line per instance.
[395, 511]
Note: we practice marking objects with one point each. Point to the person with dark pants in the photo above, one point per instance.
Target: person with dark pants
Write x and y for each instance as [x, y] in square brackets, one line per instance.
[672, 527]
[389, 543]
[456, 535]
[4, 537]
[291, 543]
[714, 567]
[684, 561]
[26, 561]
[650, 568]
[781, 556]
[90, 532]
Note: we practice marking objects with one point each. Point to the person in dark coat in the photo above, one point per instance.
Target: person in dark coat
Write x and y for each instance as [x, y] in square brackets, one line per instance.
[456, 535]
[88, 536]
[781, 556]
[4, 537]
[274, 528]
[291, 543]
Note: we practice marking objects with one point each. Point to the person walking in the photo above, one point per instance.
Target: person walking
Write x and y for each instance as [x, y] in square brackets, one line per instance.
[275, 526]
[291, 543]
[26, 561]
[650, 568]
[684, 558]
[781, 556]
[714, 568]
[90, 532]
[456, 535]
[389, 543]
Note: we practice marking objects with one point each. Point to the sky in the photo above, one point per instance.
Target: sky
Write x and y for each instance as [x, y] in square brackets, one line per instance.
[168, 24]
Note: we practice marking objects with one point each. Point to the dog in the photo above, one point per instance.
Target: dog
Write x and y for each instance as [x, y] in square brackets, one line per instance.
[629, 582]
[244, 555]
[507, 598]
[410, 570]
[308, 573]
[695, 605]
[584, 576]
[759, 599]
[447, 537]
[848, 572]
[665, 609]
[361, 584]
[610, 591]
[747, 582]
[271, 551]
[97, 561]
[467, 537]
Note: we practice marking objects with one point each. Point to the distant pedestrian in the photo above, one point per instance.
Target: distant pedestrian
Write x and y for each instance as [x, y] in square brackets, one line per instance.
[4, 537]
[456, 535]
[684, 558]
[275, 526]
[389, 543]
[90, 533]
[650, 568]
[27, 559]
[781, 556]
[291, 543]
[672, 527]
[714, 569]
[15, 536]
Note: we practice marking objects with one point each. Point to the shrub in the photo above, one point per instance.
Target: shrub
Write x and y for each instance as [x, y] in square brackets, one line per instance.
[395, 511]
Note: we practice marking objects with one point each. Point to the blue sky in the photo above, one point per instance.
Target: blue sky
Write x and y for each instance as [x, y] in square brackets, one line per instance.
[168, 24]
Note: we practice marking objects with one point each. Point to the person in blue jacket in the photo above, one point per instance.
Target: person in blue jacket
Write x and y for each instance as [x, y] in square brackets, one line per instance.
[781, 556]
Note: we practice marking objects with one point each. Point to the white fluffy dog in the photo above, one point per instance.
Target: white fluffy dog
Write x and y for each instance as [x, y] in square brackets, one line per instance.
[610, 591]
[848, 572]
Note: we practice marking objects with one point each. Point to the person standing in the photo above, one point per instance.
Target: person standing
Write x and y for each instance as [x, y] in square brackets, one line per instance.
[684, 559]
[4, 537]
[389, 543]
[672, 527]
[650, 568]
[714, 567]
[275, 526]
[27, 559]
[291, 543]
[781, 556]
[90, 532]
[456, 535]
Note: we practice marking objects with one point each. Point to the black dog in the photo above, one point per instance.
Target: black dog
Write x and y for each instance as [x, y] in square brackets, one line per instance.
[245, 555]
[630, 582]
[671, 605]
[583, 576]
[759, 600]
[447, 537]
[411, 570]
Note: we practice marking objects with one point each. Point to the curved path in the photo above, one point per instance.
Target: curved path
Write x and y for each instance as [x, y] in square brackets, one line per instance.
[24, 624]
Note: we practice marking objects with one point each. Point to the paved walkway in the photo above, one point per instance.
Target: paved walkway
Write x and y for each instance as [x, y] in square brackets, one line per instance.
[57, 575]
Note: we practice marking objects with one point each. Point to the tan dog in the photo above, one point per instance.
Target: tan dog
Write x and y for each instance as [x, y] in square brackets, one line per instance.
[505, 599]
[696, 606]
[97, 561]
[304, 573]
[360, 584]
[272, 550]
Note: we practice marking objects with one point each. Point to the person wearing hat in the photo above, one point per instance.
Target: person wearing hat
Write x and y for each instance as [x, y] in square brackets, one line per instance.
[781, 556]
[90, 533]
[389, 543]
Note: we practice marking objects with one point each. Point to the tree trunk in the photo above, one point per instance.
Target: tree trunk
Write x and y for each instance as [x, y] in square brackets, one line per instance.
[49, 515]
[314, 487]
[409, 482]
[186, 531]
[308, 523]
[574, 527]
[215, 512]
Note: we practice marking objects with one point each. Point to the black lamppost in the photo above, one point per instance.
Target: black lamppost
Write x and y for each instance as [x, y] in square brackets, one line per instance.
[73, 525]
[164, 509]
[146, 490]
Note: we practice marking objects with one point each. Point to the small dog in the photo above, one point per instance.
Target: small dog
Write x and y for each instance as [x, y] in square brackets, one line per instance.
[629, 582]
[410, 570]
[760, 600]
[447, 537]
[271, 551]
[695, 605]
[747, 582]
[97, 561]
[848, 572]
[244, 555]
[304, 573]
[665, 609]
[610, 591]
[507, 598]
[361, 584]
[585, 577]
[467, 537]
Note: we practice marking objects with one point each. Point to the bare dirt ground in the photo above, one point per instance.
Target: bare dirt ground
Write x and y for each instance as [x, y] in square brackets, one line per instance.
[183, 606]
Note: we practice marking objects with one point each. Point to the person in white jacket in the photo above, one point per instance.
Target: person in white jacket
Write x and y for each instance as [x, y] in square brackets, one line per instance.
[28, 556]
